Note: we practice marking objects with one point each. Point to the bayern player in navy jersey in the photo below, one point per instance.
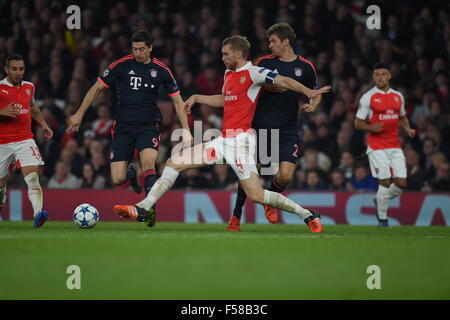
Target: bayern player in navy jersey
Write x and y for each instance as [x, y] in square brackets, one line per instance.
[278, 109]
[137, 79]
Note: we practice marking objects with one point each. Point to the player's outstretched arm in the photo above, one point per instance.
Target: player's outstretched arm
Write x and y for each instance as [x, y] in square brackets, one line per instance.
[216, 101]
[37, 116]
[291, 84]
[182, 116]
[73, 123]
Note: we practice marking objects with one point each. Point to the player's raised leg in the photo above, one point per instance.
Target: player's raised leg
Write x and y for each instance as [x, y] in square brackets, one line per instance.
[256, 193]
[193, 157]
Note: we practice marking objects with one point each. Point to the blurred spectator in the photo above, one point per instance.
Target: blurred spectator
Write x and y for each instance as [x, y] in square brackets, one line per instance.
[441, 182]
[416, 175]
[63, 179]
[99, 163]
[338, 182]
[362, 180]
[90, 179]
[102, 126]
[313, 181]
[209, 82]
[70, 156]
[346, 164]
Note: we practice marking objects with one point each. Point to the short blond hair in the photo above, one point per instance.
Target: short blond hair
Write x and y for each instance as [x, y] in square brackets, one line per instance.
[239, 43]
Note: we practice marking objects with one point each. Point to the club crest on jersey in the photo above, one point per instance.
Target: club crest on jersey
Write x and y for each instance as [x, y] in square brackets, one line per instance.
[298, 72]
[105, 73]
[396, 98]
[153, 73]
[243, 79]
[28, 91]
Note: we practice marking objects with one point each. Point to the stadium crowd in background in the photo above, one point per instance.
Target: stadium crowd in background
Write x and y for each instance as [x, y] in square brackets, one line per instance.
[414, 40]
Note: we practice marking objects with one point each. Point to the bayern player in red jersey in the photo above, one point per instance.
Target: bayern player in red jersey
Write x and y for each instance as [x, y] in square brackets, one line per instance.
[237, 144]
[17, 146]
[380, 111]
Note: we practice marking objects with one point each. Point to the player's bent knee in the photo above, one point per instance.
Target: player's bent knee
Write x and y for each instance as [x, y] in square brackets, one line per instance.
[284, 179]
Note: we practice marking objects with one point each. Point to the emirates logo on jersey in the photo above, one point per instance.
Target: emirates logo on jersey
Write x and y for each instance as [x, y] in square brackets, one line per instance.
[243, 79]
[298, 72]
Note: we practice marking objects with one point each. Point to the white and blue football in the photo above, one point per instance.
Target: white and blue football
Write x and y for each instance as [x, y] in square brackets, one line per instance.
[85, 216]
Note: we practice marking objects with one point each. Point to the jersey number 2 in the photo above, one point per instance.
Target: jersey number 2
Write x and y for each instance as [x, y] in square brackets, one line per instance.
[295, 154]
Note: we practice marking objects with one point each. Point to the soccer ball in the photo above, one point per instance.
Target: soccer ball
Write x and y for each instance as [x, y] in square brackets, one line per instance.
[85, 216]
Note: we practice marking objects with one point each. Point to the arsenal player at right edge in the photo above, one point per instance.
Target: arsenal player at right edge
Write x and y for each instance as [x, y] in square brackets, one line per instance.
[384, 109]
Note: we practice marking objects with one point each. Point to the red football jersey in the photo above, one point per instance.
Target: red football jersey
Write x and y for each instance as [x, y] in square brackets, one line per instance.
[14, 129]
[385, 107]
[240, 90]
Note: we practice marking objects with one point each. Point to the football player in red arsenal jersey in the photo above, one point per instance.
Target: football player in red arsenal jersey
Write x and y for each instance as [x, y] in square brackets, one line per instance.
[380, 111]
[237, 144]
[17, 146]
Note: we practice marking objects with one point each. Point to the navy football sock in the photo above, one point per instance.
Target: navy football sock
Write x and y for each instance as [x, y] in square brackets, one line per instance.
[150, 178]
[276, 187]
[240, 201]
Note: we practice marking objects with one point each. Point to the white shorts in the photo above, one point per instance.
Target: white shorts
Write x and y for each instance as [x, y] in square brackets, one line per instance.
[20, 154]
[239, 152]
[387, 163]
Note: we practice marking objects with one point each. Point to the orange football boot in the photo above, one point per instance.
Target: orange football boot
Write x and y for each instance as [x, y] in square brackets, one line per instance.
[271, 213]
[234, 224]
[137, 213]
[313, 222]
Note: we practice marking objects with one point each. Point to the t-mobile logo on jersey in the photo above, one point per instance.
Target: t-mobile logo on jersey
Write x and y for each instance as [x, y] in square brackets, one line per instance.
[135, 82]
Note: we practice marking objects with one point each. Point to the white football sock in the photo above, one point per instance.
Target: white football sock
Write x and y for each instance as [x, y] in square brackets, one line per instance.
[277, 200]
[382, 202]
[394, 191]
[34, 191]
[161, 186]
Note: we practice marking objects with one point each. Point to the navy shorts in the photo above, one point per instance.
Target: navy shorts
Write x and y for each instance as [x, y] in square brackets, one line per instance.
[289, 147]
[126, 138]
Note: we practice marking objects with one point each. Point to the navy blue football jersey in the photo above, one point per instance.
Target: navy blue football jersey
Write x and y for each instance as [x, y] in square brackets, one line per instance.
[137, 86]
[280, 110]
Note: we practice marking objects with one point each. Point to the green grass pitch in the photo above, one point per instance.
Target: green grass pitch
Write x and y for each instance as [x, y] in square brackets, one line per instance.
[203, 261]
